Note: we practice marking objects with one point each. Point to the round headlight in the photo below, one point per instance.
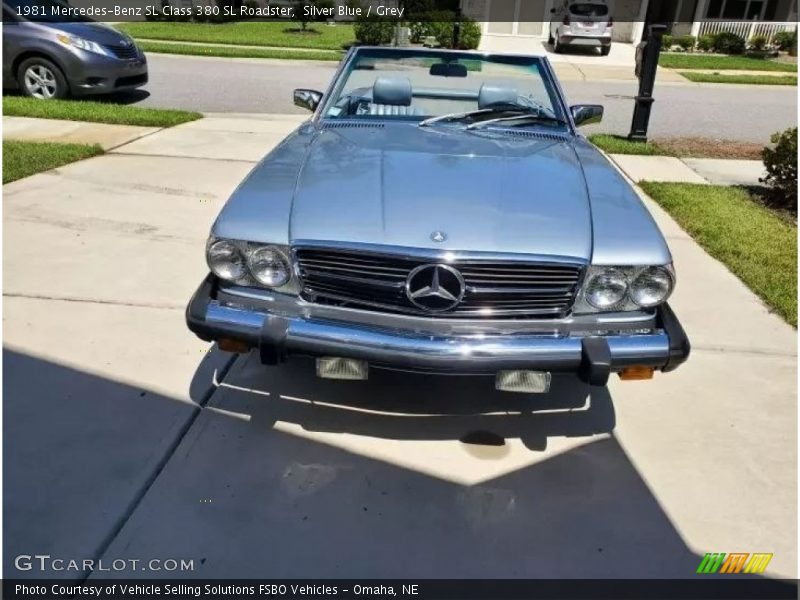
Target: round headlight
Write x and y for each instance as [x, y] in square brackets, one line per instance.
[651, 287]
[268, 267]
[225, 260]
[606, 289]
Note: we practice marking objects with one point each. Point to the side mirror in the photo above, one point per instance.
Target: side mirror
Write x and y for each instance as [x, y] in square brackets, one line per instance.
[308, 99]
[552, 11]
[586, 114]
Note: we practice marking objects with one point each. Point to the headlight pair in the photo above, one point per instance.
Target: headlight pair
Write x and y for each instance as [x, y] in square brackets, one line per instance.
[247, 262]
[626, 288]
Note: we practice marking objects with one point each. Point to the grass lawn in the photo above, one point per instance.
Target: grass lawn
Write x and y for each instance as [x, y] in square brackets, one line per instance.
[233, 52]
[682, 147]
[749, 79]
[616, 144]
[251, 33]
[21, 159]
[754, 242]
[97, 112]
[705, 61]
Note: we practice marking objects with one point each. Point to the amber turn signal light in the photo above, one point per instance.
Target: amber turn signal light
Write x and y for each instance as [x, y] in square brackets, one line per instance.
[636, 373]
[229, 345]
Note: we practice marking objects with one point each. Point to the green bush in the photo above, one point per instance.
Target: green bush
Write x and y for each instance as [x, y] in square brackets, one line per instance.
[727, 42]
[784, 40]
[468, 39]
[686, 42]
[758, 42]
[705, 43]
[781, 165]
[667, 41]
[373, 31]
[418, 30]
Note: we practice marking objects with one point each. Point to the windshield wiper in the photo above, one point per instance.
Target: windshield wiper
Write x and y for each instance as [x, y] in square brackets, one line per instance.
[460, 116]
[524, 117]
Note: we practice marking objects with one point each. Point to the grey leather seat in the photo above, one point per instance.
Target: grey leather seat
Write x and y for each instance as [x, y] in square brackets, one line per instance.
[490, 95]
[392, 96]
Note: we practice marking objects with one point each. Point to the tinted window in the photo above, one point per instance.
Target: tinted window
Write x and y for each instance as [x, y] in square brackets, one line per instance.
[589, 10]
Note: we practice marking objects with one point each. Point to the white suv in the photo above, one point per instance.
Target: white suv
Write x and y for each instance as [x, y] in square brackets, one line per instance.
[581, 23]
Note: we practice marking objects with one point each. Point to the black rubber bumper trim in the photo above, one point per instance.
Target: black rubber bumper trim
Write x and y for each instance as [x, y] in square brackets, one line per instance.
[595, 365]
[196, 310]
[272, 341]
[679, 346]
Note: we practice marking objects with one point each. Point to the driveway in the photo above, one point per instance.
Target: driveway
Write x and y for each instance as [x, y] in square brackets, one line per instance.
[126, 437]
[687, 109]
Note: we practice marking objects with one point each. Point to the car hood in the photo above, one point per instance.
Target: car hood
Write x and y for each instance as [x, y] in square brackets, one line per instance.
[89, 30]
[485, 191]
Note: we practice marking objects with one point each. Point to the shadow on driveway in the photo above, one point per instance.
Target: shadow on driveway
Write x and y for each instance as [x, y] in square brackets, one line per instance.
[284, 475]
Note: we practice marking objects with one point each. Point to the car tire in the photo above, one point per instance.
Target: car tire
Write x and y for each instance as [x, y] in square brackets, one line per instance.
[605, 50]
[40, 78]
[557, 47]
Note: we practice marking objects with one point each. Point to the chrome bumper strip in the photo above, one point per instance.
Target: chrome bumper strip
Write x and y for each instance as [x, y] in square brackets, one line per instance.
[402, 348]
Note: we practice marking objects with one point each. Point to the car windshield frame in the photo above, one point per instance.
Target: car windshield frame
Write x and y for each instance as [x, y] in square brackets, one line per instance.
[332, 95]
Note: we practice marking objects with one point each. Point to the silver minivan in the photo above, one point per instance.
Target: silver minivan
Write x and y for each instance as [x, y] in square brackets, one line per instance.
[585, 23]
[49, 54]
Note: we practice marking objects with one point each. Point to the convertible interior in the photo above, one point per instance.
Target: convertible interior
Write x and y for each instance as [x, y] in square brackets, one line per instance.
[394, 96]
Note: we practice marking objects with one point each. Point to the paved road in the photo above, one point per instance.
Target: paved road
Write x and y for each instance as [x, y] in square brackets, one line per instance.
[236, 85]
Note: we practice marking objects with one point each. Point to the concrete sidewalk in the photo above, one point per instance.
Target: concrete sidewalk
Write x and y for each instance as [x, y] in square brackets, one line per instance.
[131, 440]
[76, 132]
[690, 170]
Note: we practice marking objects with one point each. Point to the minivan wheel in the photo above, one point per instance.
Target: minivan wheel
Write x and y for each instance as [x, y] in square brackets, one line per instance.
[605, 50]
[557, 48]
[40, 78]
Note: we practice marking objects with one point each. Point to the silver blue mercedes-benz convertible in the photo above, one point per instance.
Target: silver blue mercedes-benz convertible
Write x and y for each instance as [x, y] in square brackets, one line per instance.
[440, 213]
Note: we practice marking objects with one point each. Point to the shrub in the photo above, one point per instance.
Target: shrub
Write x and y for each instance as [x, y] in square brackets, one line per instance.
[793, 44]
[781, 165]
[686, 42]
[727, 42]
[667, 41]
[705, 43]
[418, 30]
[758, 42]
[784, 40]
[469, 37]
[373, 31]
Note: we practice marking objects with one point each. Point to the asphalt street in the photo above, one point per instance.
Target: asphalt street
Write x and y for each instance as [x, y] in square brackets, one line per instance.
[262, 86]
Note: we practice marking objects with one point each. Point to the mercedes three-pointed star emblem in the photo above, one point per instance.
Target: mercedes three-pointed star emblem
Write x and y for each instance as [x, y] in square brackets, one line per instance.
[435, 288]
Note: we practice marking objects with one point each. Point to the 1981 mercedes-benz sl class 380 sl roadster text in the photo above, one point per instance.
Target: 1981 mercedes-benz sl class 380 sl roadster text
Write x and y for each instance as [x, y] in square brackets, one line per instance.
[440, 213]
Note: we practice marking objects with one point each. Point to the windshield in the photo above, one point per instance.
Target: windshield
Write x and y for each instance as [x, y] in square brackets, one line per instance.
[45, 11]
[415, 85]
[589, 10]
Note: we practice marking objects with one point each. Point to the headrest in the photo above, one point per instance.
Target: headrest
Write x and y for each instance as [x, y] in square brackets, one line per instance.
[492, 94]
[395, 92]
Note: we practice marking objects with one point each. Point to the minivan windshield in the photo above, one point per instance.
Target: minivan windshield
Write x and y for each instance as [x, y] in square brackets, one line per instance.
[589, 10]
[418, 85]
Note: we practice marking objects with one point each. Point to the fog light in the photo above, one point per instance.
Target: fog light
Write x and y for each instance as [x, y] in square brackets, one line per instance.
[342, 368]
[636, 373]
[528, 382]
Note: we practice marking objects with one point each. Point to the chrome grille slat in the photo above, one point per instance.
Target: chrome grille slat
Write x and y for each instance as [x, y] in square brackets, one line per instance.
[374, 281]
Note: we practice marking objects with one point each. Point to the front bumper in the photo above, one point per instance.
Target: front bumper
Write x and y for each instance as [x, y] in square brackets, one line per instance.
[592, 357]
[89, 73]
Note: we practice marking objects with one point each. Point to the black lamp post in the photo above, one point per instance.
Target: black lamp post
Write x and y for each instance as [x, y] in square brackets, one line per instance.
[646, 65]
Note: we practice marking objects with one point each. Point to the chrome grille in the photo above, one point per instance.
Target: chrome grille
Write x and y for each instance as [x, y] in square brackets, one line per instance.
[494, 289]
